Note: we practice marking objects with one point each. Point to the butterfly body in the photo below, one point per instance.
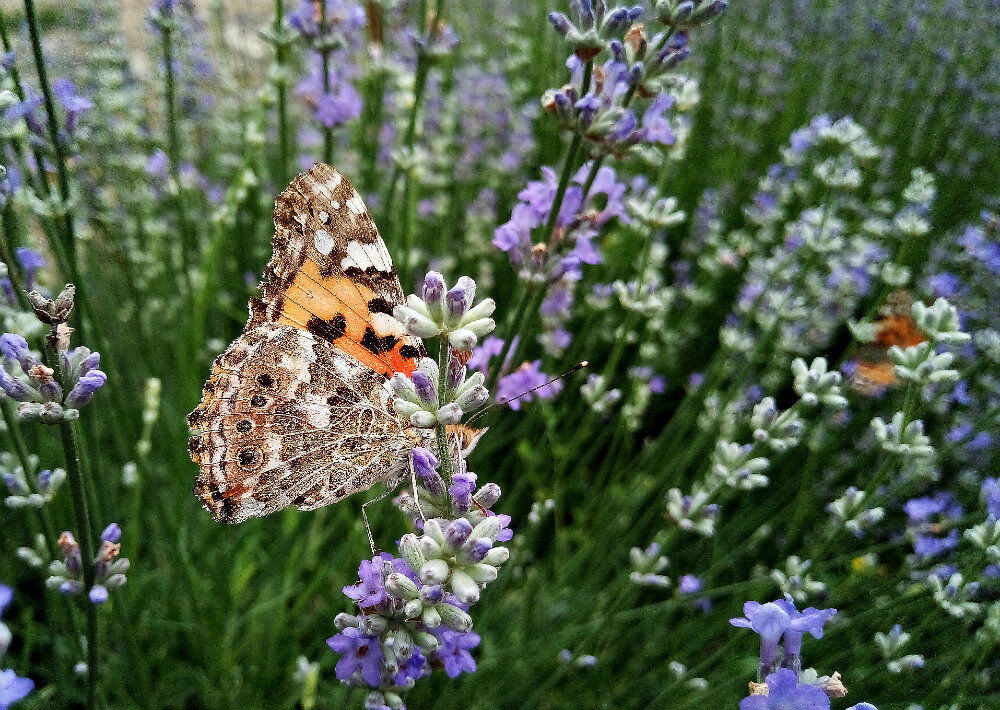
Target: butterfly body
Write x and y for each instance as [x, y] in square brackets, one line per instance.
[298, 410]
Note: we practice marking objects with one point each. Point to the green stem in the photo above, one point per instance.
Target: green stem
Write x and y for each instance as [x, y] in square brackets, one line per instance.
[280, 56]
[442, 430]
[62, 171]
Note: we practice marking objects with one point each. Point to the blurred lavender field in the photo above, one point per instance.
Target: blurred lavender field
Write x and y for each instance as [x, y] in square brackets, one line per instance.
[770, 228]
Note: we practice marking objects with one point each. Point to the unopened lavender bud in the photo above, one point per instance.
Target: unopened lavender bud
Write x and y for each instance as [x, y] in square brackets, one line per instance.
[457, 533]
[425, 387]
[15, 485]
[401, 586]
[423, 419]
[403, 387]
[409, 548]
[482, 573]
[464, 587]
[473, 398]
[17, 390]
[431, 617]
[71, 586]
[112, 533]
[432, 294]
[477, 549]
[85, 388]
[401, 642]
[560, 22]
[91, 362]
[488, 495]
[115, 581]
[98, 594]
[372, 624]
[454, 618]
[119, 566]
[463, 339]
[415, 323]
[15, 347]
[343, 620]
[449, 414]
[497, 556]
[489, 528]
[427, 642]
[405, 408]
[434, 572]
[413, 609]
[431, 593]
[456, 372]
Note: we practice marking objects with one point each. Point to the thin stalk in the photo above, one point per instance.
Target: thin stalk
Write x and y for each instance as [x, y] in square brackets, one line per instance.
[78, 487]
[57, 146]
[325, 57]
[442, 431]
[280, 56]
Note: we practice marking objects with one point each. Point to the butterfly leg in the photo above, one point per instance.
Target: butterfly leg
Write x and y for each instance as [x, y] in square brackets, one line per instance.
[364, 514]
[416, 495]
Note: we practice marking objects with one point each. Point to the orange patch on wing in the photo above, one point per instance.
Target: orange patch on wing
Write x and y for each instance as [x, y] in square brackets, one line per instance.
[899, 330]
[312, 295]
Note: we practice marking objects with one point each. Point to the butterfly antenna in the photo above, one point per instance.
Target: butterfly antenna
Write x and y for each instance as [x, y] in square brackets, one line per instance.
[544, 384]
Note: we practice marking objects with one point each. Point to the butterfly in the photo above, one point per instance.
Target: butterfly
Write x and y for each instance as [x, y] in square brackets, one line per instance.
[298, 410]
[874, 371]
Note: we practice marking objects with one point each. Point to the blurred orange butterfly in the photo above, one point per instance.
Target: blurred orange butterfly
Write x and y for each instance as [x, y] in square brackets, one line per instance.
[874, 371]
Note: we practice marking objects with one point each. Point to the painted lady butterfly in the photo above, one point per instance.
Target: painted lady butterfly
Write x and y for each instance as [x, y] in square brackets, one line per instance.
[298, 410]
[874, 371]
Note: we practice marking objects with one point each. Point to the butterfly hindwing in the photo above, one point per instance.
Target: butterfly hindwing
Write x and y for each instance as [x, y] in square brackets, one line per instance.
[288, 419]
[332, 275]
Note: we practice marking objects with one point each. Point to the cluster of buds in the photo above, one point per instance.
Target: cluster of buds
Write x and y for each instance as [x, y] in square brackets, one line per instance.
[695, 512]
[418, 398]
[25, 495]
[904, 439]
[815, 384]
[647, 565]
[850, 511]
[448, 313]
[415, 607]
[591, 27]
[329, 30]
[653, 61]
[39, 394]
[109, 570]
[682, 14]
[436, 499]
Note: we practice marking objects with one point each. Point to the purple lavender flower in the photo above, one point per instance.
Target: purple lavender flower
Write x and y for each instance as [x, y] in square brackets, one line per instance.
[809, 620]
[770, 621]
[72, 103]
[31, 261]
[786, 693]
[358, 653]
[453, 651]
[526, 378]
[370, 591]
[689, 584]
[85, 388]
[463, 484]
[990, 493]
[13, 688]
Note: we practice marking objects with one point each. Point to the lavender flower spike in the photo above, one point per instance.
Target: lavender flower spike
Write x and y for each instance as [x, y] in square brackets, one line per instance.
[770, 621]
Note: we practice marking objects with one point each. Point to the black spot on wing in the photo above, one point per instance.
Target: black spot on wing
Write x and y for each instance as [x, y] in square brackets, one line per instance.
[328, 330]
[380, 305]
[409, 352]
[377, 345]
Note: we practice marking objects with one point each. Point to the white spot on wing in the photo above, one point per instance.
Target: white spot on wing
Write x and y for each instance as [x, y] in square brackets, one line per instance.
[356, 205]
[336, 205]
[323, 241]
[357, 256]
[334, 181]
[324, 217]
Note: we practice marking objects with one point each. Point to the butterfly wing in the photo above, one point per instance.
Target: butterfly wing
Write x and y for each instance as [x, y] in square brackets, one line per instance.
[287, 419]
[332, 275]
[298, 410]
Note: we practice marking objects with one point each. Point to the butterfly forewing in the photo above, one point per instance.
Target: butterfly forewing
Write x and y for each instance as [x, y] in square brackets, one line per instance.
[332, 275]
